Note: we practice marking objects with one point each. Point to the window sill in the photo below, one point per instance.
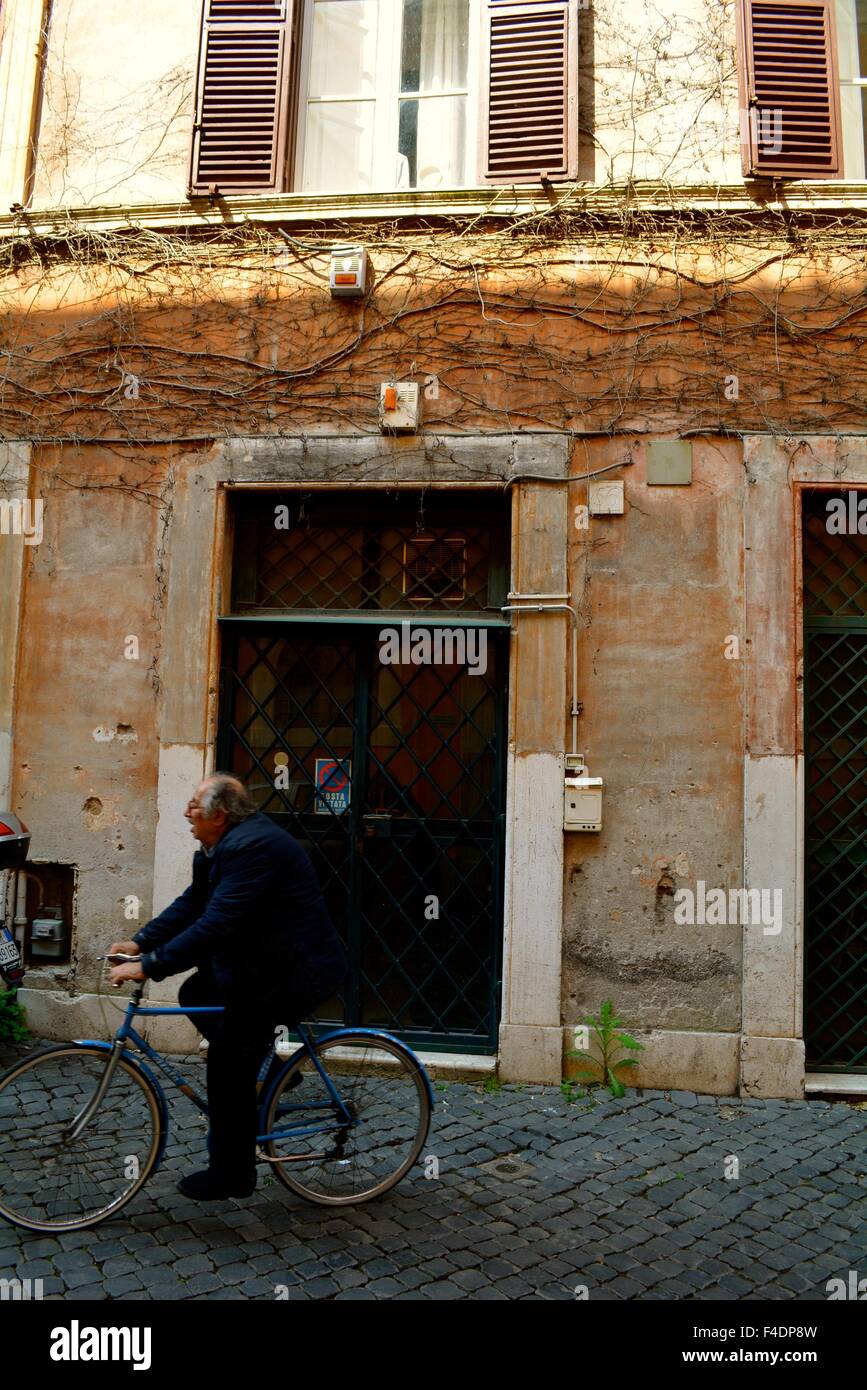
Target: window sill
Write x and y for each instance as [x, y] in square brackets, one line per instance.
[489, 201]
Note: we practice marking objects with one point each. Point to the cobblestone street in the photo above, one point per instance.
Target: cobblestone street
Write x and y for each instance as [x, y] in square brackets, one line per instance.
[535, 1198]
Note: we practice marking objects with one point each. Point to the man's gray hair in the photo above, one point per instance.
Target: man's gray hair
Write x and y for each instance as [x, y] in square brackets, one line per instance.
[225, 792]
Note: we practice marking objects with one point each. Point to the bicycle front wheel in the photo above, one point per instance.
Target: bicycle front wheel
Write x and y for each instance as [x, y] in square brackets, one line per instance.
[51, 1182]
[335, 1161]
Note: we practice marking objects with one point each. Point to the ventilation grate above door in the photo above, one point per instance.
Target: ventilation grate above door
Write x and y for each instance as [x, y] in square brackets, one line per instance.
[317, 553]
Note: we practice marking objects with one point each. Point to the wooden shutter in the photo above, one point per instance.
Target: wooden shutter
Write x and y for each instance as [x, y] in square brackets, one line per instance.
[790, 94]
[530, 91]
[244, 95]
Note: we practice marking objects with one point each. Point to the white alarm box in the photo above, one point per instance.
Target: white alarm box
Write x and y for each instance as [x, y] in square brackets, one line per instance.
[347, 276]
[398, 406]
[583, 796]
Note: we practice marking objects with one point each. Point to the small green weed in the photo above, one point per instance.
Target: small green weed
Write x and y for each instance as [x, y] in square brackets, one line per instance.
[13, 1027]
[571, 1091]
[602, 1069]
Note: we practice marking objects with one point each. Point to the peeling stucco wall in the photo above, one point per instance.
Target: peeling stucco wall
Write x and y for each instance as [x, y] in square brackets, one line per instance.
[117, 103]
[85, 738]
[659, 590]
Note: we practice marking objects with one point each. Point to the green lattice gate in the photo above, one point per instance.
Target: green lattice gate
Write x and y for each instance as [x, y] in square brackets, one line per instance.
[835, 666]
[392, 774]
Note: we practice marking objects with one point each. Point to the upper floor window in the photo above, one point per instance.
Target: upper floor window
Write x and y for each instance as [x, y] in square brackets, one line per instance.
[386, 105]
[803, 74]
[355, 95]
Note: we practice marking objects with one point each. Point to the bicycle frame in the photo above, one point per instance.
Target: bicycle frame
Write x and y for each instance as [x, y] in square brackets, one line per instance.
[126, 1033]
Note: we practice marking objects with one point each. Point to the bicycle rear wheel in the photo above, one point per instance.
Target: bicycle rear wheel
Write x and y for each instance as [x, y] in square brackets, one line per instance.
[49, 1182]
[385, 1090]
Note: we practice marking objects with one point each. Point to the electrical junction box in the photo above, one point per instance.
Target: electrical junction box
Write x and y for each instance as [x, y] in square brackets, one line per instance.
[606, 499]
[48, 938]
[583, 796]
[398, 405]
[348, 274]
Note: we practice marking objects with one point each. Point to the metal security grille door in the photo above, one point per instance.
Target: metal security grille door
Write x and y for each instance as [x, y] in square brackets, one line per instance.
[835, 654]
[390, 772]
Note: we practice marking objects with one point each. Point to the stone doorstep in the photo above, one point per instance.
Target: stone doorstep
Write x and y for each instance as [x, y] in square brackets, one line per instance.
[827, 1083]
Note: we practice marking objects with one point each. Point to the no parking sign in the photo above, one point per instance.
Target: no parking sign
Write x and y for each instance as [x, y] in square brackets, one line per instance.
[333, 782]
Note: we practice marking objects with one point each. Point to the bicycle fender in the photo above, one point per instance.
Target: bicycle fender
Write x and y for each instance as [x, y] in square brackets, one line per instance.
[397, 1042]
[338, 1033]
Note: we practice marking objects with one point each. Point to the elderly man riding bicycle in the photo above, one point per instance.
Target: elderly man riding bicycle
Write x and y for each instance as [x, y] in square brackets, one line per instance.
[254, 924]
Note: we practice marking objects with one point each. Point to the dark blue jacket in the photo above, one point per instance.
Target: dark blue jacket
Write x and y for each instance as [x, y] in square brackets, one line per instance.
[254, 919]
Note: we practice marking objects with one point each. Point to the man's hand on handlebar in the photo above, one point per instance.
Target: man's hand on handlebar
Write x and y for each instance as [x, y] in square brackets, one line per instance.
[128, 970]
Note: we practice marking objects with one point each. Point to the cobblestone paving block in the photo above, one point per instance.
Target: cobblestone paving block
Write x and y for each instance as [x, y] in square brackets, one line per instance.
[97, 1292]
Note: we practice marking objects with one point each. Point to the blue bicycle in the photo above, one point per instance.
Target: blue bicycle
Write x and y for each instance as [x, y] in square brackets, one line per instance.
[83, 1125]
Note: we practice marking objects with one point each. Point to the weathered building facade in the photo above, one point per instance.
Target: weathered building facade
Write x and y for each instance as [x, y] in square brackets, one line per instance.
[621, 259]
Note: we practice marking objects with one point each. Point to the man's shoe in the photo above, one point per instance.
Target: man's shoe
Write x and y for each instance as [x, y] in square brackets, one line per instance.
[208, 1187]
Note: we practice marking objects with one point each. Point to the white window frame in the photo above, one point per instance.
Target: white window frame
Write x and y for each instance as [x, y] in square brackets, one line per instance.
[386, 122]
[843, 83]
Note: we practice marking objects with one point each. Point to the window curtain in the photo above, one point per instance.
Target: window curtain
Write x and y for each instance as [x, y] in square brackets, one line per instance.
[441, 134]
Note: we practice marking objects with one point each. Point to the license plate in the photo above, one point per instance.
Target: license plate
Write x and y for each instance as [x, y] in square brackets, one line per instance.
[8, 952]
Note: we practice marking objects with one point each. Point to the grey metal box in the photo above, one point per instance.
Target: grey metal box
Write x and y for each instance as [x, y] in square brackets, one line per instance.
[48, 938]
[669, 463]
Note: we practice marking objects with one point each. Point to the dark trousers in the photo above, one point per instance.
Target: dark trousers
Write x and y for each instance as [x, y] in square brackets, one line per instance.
[238, 1041]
